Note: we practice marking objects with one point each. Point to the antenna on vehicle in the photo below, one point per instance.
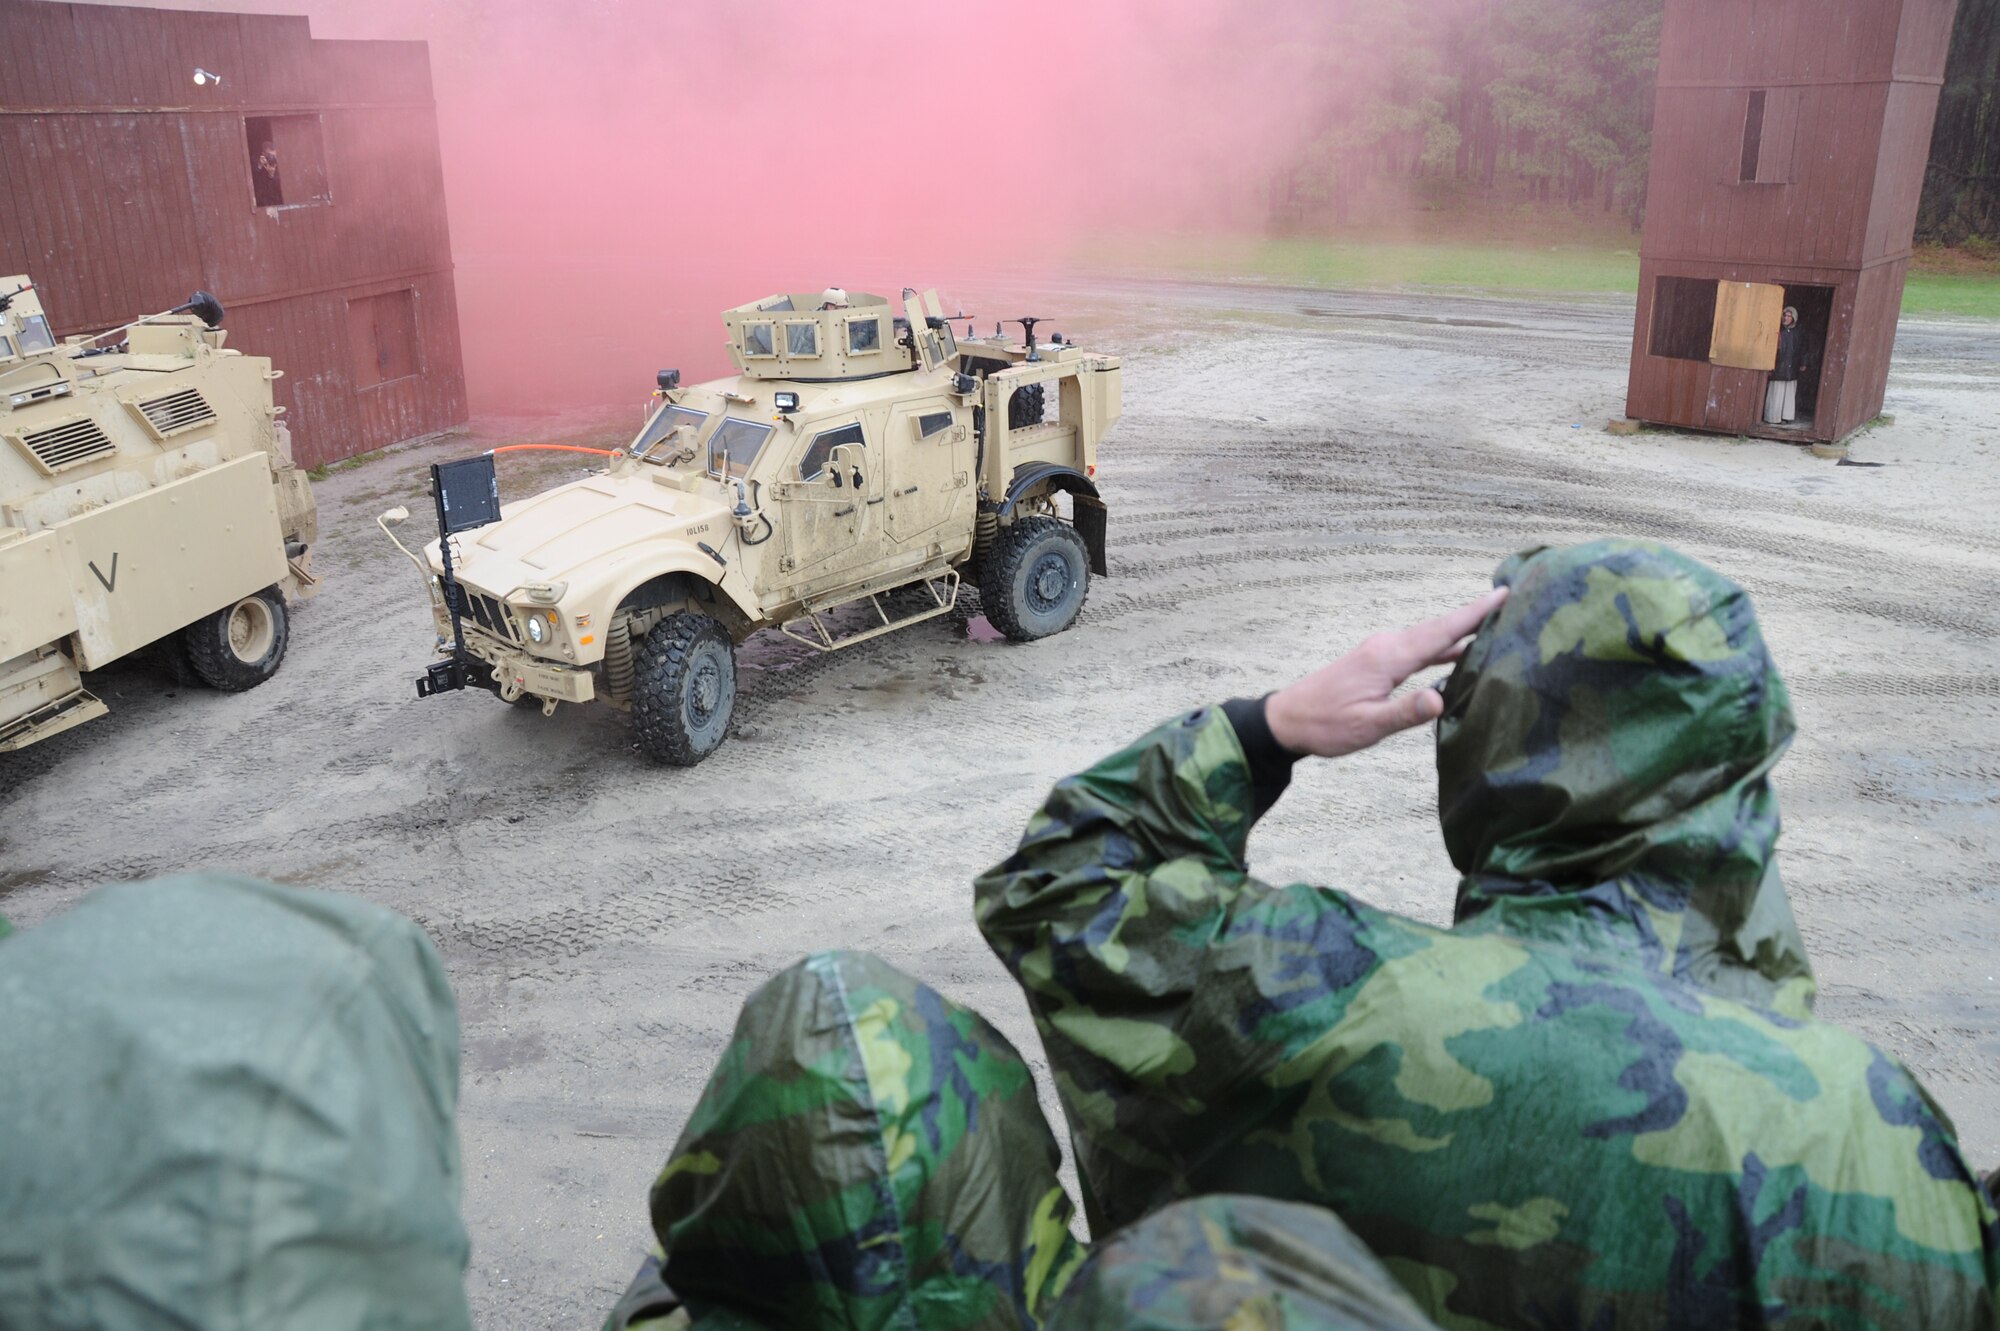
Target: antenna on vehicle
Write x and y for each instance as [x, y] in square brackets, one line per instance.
[1028, 327]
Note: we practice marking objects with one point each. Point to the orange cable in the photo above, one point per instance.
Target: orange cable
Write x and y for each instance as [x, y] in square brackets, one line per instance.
[555, 448]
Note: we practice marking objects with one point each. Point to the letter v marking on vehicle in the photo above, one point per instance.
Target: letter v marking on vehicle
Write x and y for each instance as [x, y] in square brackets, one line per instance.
[110, 583]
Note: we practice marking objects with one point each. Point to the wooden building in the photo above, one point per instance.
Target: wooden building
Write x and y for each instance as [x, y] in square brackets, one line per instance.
[145, 153]
[1789, 144]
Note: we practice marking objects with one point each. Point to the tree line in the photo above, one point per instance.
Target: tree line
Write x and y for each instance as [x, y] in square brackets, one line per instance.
[1552, 100]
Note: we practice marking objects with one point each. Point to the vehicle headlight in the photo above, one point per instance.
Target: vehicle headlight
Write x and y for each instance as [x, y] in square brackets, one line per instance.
[538, 629]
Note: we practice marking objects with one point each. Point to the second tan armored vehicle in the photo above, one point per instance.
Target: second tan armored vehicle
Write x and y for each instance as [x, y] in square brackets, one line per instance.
[147, 492]
[856, 454]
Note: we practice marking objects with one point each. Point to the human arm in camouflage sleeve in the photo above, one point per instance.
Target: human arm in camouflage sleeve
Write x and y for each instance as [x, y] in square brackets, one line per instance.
[1130, 891]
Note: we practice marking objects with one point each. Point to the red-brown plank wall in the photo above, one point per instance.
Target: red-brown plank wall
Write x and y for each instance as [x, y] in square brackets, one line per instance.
[1851, 94]
[124, 186]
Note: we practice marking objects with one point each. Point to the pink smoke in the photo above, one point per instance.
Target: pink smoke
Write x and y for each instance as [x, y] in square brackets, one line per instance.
[619, 171]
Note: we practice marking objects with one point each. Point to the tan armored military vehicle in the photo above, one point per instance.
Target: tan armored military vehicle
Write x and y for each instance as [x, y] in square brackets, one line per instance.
[147, 492]
[857, 454]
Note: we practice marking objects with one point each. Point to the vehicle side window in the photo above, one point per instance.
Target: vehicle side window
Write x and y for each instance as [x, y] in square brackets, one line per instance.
[822, 446]
[734, 446]
[864, 335]
[757, 340]
[802, 339]
[933, 422]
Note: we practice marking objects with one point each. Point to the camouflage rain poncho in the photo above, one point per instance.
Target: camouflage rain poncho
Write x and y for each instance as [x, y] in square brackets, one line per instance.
[1236, 1263]
[867, 1155]
[1599, 1100]
[228, 1106]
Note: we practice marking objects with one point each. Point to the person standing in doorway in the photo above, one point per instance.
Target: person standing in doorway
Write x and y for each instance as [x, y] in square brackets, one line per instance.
[1781, 395]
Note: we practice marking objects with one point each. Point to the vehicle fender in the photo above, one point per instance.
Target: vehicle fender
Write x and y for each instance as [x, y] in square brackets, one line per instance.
[1090, 511]
[1052, 474]
[692, 563]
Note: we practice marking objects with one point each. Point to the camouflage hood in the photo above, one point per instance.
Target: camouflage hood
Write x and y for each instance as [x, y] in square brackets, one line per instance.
[1240, 1263]
[867, 1155]
[228, 1105]
[1605, 746]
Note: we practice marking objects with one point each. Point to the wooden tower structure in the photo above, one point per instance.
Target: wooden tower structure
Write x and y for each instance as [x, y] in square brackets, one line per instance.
[1789, 145]
[299, 180]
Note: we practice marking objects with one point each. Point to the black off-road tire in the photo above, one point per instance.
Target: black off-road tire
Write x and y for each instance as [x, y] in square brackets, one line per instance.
[1027, 406]
[1035, 580]
[241, 645]
[684, 689]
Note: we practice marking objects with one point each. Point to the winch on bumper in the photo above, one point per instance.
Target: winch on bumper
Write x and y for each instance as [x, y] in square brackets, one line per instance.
[516, 673]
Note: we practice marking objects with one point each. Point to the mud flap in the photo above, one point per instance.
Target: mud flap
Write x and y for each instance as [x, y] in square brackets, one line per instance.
[1089, 517]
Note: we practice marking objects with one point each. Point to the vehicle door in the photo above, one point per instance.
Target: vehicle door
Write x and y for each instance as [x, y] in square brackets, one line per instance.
[927, 452]
[832, 516]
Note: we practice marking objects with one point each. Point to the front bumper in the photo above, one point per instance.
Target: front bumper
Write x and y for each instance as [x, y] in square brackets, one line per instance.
[515, 672]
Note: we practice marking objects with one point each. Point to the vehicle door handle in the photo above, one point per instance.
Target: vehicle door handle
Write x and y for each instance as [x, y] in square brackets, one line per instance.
[876, 500]
[843, 512]
[900, 493]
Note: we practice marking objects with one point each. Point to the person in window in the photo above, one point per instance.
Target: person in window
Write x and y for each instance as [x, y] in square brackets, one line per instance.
[264, 179]
[1600, 1098]
[1781, 394]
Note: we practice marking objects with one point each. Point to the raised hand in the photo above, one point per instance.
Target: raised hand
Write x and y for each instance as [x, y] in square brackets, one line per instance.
[1346, 706]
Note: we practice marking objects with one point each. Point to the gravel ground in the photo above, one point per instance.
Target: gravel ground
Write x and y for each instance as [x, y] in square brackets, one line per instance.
[1294, 469]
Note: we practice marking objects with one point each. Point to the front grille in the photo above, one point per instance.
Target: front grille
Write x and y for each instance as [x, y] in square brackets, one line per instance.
[489, 614]
[174, 412]
[75, 441]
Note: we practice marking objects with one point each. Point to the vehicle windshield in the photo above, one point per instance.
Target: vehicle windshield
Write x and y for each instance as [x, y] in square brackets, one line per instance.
[665, 421]
[734, 446]
[35, 335]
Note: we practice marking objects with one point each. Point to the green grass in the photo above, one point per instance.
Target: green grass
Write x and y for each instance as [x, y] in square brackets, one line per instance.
[1952, 293]
[326, 469]
[1563, 269]
[1385, 264]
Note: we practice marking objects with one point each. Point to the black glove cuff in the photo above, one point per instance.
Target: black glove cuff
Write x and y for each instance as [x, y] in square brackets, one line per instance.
[1270, 762]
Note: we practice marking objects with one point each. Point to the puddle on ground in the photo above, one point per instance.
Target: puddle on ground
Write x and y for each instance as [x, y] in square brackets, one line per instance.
[980, 629]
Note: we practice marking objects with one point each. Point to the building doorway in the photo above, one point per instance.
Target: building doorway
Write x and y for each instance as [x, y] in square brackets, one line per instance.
[1815, 307]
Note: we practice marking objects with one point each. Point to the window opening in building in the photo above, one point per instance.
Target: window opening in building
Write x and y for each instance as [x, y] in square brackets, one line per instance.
[1683, 318]
[287, 161]
[382, 334]
[821, 448]
[1753, 136]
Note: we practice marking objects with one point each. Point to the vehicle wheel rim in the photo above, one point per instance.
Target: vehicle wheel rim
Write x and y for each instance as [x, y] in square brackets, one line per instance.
[252, 630]
[1049, 583]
